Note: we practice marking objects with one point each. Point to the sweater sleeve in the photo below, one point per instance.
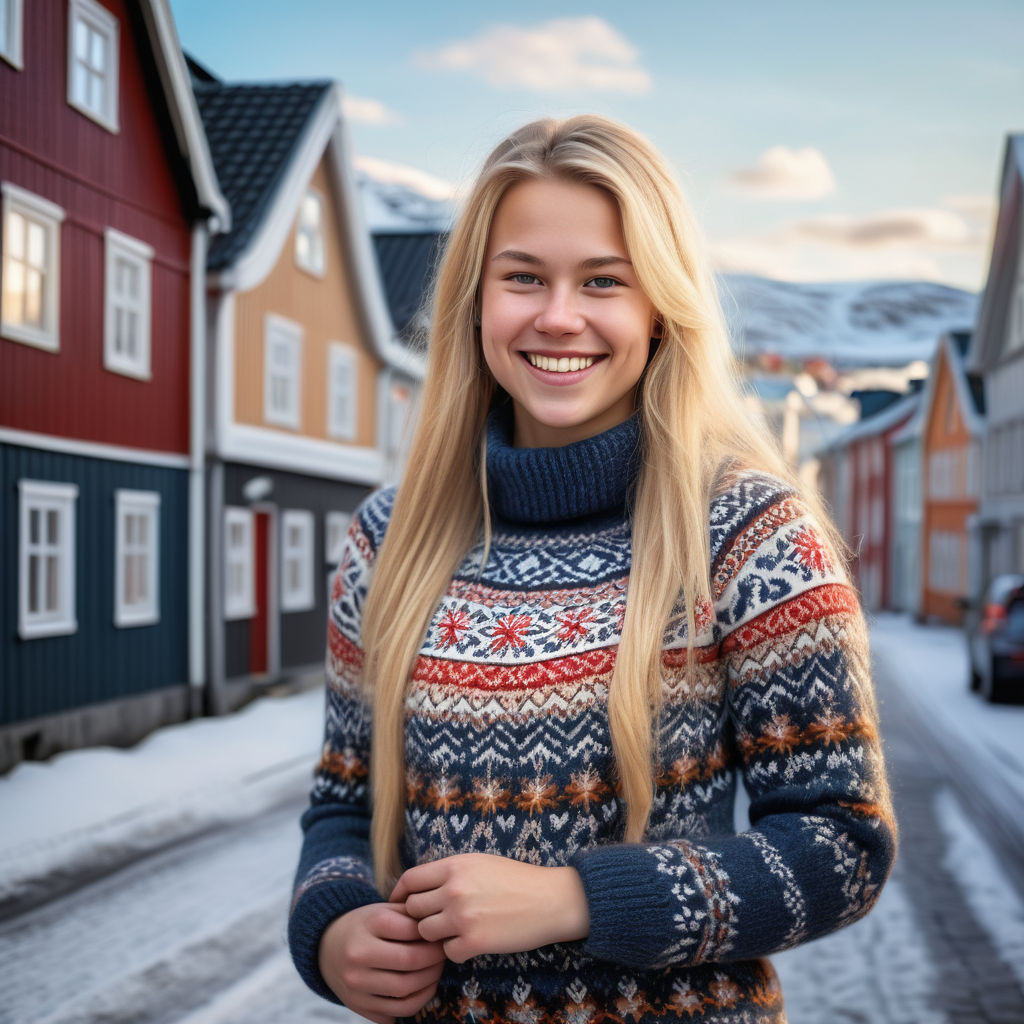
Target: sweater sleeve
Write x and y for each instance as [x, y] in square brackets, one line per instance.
[335, 872]
[799, 715]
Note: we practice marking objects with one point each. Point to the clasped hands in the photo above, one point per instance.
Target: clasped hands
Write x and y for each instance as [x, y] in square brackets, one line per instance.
[384, 960]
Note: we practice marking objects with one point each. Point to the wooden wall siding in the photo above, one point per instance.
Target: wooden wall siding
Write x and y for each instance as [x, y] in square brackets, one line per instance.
[99, 662]
[125, 181]
[325, 307]
[302, 634]
[946, 514]
[937, 432]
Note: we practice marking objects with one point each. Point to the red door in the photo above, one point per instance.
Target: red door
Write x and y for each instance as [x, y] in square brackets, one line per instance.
[260, 623]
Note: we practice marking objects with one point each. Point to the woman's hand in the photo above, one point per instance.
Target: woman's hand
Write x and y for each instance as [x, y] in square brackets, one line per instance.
[375, 961]
[477, 903]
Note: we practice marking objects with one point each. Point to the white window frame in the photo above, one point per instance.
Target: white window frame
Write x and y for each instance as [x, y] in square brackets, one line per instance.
[342, 391]
[44, 497]
[140, 257]
[240, 602]
[315, 262]
[284, 336]
[48, 216]
[98, 20]
[297, 596]
[144, 504]
[336, 526]
[11, 19]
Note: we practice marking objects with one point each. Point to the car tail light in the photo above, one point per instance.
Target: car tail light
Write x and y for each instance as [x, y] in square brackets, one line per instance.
[995, 616]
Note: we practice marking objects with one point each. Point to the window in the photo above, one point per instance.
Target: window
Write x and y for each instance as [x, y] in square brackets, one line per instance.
[296, 560]
[309, 234]
[31, 268]
[92, 62]
[126, 312]
[10, 31]
[46, 552]
[239, 582]
[136, 558]
[282, 358]
[341, 391]
[336, 527]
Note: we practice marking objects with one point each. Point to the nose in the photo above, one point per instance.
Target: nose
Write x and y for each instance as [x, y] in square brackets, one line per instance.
[560, 313]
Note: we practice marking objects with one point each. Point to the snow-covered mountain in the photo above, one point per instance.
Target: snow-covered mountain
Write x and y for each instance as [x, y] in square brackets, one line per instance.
[849, 324]
[853, 323]
[399, 199]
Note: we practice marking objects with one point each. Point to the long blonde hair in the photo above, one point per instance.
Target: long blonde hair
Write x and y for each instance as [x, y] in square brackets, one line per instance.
[694, 422]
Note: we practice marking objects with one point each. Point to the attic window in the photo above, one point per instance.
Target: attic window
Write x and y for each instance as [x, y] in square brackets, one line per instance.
[10, 31]
[92, 62]
[309, 234]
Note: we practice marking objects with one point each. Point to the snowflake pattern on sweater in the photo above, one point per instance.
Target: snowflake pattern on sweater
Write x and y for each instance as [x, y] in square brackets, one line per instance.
[508, 752]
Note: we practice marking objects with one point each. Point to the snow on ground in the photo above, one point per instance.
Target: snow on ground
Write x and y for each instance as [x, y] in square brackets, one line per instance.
[990, 895]
[97, 808]
[930, 665]
[90, 810]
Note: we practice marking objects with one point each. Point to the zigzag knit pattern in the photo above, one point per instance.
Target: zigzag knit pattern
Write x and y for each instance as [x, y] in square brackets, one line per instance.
[508, 752]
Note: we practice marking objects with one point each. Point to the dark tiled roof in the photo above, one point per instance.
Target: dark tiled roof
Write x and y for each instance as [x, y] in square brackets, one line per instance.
[873, 401]
[407, 262]
[253, 131]
[975, 384]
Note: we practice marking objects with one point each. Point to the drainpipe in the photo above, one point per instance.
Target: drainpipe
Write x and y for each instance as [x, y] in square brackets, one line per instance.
[196, 472]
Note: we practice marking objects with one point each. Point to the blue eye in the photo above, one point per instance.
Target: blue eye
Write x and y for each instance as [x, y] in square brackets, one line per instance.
[523, 278]
[603, 282]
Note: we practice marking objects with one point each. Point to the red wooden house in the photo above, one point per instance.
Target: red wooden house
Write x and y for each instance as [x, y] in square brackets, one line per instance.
[856, 478]
[108, 196]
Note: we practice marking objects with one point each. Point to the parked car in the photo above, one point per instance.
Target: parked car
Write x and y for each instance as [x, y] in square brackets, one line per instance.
[995, 638]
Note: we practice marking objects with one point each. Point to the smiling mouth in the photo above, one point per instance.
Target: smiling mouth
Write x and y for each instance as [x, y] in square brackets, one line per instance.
[565, 364]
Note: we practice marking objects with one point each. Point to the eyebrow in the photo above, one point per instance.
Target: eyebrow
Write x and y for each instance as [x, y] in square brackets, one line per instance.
[594, 263]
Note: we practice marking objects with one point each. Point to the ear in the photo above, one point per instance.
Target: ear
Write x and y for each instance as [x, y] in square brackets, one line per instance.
[657, 328]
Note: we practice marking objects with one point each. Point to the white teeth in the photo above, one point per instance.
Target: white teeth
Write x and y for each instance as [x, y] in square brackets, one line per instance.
[563, 365]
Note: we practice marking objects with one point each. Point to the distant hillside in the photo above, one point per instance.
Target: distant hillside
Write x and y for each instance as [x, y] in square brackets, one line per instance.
[853, 323]
[850, 324]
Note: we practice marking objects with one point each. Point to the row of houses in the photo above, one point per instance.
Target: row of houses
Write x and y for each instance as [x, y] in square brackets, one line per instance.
[928, 486]
[201, 375]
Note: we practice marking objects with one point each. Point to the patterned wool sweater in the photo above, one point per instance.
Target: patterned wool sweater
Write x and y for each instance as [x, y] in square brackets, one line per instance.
[508, 750]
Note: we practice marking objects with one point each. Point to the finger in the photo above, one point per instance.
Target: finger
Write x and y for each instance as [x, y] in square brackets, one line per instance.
[413, 956]
[438, 928]
[392, 1008]
[419, 905]
[458, 950]
[393, 923]
[401, 984]
[424, 876]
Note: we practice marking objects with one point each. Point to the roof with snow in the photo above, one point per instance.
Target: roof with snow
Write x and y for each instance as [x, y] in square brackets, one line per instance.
[407, 261]
[887, 418]
[253, 132]
[990, 332]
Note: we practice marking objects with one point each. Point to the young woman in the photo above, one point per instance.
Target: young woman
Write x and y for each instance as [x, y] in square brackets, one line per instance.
[596, 598]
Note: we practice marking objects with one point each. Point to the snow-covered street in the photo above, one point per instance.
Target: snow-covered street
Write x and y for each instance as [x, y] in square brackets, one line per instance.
[191, 839]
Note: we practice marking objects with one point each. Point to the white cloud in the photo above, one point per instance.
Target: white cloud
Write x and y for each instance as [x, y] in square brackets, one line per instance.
[908, 227]
[367, 111]
[915, 243]
[784, 173]
[562, 55]
[399, 174]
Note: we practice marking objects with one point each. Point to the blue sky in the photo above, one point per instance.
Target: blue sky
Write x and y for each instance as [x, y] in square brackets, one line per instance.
[815, 140]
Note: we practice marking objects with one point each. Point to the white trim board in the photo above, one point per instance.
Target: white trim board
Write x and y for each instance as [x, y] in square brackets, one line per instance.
[257, 446]
[91, 449]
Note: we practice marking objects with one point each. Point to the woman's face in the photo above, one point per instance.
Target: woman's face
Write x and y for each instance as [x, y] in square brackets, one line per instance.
[565, 326]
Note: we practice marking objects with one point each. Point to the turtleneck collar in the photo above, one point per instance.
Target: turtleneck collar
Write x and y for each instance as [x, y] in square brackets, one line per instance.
[591, 478]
